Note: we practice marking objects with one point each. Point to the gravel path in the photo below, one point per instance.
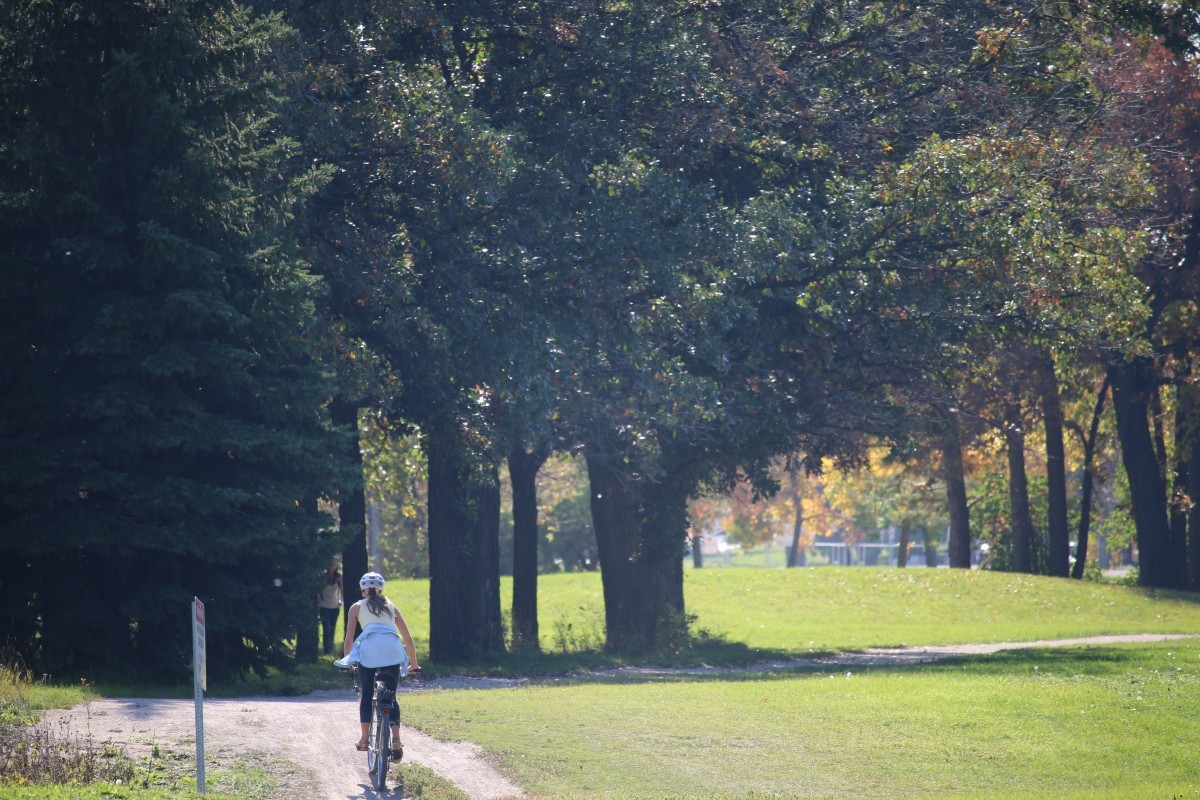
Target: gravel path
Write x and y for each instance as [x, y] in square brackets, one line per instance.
[306, 743]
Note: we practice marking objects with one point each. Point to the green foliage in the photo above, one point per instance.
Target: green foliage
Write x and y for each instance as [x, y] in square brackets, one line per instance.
[1016, 224]
[567, 543]
[691, 236]
[162, 420]
[396, 485]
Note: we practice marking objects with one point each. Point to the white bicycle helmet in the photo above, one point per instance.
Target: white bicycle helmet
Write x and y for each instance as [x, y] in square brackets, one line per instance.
[372, 580]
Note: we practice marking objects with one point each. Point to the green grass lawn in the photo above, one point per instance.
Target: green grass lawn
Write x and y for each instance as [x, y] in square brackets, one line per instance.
[1116, 722]
[1085, 722]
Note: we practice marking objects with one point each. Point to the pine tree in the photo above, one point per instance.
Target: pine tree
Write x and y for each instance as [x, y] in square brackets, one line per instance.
[162, 429]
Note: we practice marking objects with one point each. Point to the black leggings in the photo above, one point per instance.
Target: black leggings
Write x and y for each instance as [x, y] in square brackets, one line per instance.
[389, 675]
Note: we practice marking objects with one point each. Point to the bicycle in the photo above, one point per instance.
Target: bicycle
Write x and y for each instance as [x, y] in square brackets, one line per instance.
[379, 745]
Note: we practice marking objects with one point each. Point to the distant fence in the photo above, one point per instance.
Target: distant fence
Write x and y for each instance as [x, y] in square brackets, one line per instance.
[868, 554]
[819, 554]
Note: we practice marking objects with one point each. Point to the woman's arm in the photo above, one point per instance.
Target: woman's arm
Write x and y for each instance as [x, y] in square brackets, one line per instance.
[408, 642]
[351, 622]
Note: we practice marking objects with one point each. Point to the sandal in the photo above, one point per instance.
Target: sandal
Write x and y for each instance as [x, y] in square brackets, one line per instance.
[397, 751]
[360, 747]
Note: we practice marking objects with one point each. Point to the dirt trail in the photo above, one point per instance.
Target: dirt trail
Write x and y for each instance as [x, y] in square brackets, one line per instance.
[307, 742]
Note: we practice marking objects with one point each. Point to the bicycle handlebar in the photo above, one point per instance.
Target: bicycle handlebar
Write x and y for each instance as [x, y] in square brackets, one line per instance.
[353, 668]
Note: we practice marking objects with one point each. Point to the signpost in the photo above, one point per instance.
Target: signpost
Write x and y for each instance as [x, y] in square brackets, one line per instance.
[200, 678]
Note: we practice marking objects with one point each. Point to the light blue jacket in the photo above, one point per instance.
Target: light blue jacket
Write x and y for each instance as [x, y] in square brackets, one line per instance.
[379, 645]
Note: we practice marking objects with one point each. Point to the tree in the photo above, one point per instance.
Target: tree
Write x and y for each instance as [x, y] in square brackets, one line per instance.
[403, 235]
[1156, 116]
[162, 420]
[1088, 442]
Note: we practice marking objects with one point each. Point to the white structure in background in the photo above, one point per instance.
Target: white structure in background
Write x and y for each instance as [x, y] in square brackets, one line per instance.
[717, 551]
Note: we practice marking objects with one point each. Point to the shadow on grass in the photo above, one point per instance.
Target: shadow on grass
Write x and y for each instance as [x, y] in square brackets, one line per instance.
[1090, 661]
[710, 652]
[303, 678]
[1166, 594]
[709, 660]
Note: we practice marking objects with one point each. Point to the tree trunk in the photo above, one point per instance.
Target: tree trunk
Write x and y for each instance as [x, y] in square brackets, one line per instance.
[1018, 491]
[352, 508]
[697, 553]
[902, 552]
[794, 556]
[1193, 526]
[1187, 445]
[1191, 259]
[464, 555]
[956, 496]
[1160, 437]
[1056, 472]
[614, 519]
[663, 535]
[1177, 516]
[1132, 386]
[640, 529]
[523, 469]
[1088, 481]
[307, 616]
[487, 566]
[929, 544]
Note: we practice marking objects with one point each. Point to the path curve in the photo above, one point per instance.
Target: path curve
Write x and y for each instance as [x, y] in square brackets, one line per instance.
[319, 729]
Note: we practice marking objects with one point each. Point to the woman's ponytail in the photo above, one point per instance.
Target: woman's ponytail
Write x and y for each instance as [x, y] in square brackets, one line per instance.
[376, 603]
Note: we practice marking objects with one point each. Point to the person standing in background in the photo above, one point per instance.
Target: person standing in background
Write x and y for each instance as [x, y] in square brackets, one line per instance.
[329, 604]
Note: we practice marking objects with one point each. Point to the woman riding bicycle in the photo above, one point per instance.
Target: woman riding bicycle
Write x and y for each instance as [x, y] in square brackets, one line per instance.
[384, 648]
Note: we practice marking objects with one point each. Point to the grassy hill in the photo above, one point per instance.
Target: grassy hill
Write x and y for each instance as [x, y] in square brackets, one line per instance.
[839, 608]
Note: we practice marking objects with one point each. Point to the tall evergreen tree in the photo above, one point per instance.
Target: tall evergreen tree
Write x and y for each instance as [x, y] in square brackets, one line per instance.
[162, 430]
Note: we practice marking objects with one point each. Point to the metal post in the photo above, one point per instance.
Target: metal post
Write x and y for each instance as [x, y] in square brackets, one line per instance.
[200, 680]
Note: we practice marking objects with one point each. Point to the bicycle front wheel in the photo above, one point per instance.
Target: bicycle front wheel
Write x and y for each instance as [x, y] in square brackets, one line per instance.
[379, 751]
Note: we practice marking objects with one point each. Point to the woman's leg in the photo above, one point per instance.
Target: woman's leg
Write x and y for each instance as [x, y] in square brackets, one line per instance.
[366, 678]
[391, 679]
[328, 627]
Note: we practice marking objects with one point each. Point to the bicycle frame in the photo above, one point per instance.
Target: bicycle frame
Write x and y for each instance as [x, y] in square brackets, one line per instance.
[379, 750]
